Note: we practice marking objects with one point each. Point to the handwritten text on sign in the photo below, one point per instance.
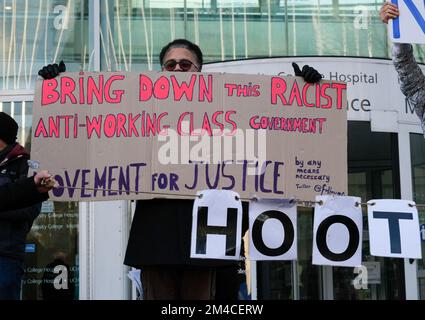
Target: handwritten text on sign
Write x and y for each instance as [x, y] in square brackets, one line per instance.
[113, 136]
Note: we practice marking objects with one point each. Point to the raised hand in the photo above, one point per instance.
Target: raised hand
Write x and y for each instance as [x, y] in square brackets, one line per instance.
[388, 11]
[52, 70]
[44, 181]
[309, 74]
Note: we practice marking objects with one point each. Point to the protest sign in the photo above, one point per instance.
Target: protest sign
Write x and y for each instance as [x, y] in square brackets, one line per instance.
[109, 136]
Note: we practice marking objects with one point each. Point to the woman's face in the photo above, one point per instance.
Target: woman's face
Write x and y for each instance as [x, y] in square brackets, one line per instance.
[180, 60]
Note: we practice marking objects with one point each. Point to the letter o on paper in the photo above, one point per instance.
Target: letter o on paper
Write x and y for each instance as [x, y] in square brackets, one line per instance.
[353, 243]
[257, 238]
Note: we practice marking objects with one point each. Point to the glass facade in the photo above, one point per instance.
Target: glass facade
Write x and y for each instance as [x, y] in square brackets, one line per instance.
[52, 241]
[132, 32]
[372, 174]
[229, 30]
[299, 280]
[127, 35]
[36, 33]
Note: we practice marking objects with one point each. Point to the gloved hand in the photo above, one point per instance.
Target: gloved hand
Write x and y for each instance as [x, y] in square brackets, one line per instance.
[52, 70]
[309, 74]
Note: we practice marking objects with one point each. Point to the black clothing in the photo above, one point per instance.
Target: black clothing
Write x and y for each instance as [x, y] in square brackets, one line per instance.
[160, 239]
[309, 74]
[8, 128]
[52, 70]
[178, 283]
[65, 291]
[20, 194]
[15, 224]
[161, 234]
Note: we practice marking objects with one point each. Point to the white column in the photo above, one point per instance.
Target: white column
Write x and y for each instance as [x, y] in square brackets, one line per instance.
[327, 283]
[104, 229]
[94, 36]
[253, 279]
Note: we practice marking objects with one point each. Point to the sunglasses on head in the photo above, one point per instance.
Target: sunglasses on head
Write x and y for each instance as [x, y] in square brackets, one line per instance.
[184, 64]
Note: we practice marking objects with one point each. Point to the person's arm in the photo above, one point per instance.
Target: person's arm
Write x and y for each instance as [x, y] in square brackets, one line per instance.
[27, 213]
[25, 193]
[23, 214]
[410, 74]
[411, 78]
[52, 70]
[20, 194]
[309, 74]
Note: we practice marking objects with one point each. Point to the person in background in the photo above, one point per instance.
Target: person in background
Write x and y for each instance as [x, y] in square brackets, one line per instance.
[14, 224]
[411, 78]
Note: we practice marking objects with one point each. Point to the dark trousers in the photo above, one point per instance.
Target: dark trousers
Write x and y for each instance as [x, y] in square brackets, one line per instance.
[178, 283]
[11, 272]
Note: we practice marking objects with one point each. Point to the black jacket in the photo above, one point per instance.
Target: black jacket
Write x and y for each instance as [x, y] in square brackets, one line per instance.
[161, 233]
[15, 224]
[20, 194]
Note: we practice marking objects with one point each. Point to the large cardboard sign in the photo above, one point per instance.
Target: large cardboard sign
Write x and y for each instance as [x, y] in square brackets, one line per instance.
[109, 136]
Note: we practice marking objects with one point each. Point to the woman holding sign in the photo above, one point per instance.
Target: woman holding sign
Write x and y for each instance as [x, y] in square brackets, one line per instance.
[159, 242]
[160, 236]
